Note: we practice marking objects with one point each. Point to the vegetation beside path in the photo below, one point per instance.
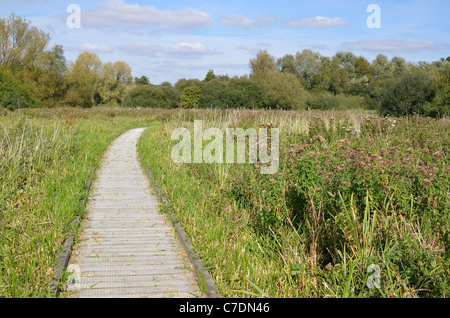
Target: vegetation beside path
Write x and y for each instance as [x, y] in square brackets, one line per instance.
[45, 160]
[357, 197]
[353, 191]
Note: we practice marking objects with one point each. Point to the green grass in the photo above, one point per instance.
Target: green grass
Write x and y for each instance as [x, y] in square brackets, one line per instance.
[353, 191]
[46, 157]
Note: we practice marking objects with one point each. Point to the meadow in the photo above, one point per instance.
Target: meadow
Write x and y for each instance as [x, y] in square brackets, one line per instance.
[358, 208]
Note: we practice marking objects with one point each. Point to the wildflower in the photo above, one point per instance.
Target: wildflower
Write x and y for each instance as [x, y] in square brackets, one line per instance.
[438, 154]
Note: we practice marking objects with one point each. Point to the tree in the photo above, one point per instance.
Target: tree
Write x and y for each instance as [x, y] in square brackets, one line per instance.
[286, 64]
[262, 65]
[209, 76]
[339, 80]
[114, 79]
[47, 76]
[233, 93]
[151, 96]
[13, 93]
[143, 80]
[284, 91]
[308, 64]
[362, 68]
[408, 94]
[398, 65]
[190, 97]
[440, 105]
[381, 66]
[183, 83]
[347, 61]
[21, 44]
[83, 80]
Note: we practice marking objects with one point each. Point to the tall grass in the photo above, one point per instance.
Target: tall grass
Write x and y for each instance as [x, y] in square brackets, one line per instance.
[45, 160]
[354, 192]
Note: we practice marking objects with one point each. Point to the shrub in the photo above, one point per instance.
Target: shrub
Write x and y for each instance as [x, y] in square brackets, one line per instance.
[408, 95]
[13, 93]
[284, 91]
[151, 96]
[440, 105]
[233, 93]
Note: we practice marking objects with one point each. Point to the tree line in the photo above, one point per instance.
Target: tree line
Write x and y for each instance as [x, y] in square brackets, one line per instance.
[31, 74]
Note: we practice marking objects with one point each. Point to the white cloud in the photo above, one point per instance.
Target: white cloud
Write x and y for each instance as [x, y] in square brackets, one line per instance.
[118, 13]
[190, 50]
[96, 48]
[141, 48]
[181, 50]
[253, 49]
[389, 45]
[241, 20]
[317, 22]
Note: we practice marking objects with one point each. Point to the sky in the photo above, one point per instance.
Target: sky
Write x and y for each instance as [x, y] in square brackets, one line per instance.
[173, 39]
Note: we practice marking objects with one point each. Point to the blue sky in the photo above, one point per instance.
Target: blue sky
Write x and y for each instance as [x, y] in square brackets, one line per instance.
[173, 39]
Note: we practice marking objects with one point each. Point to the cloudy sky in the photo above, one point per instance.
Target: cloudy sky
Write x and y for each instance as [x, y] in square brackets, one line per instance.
[173, 39]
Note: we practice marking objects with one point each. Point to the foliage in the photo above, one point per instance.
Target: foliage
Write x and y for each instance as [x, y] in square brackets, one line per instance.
[13, 93]
[408, 95]
[284, 91]
[353, 191]
[22, 44]
[83, 80]
[440, 105]
[151, 96]
[232, 93]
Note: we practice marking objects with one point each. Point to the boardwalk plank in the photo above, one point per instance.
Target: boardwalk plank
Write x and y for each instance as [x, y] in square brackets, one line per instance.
[127, 248]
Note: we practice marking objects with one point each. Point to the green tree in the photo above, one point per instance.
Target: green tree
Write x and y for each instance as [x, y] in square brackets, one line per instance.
[113, 82]
[183, 83]
[339, 80]
[362, 68]
[190, 98]
[13, 93]
[262, 65]
[84, 78]
[347, 61]
[143, 80]
[381, 66]
[284, 91]
[308, 64]
[151, 96]
[233, 93]
[440, 105]
[47, 76]
[408, 94]
[209, 76]
[286, 64]
[21, 44]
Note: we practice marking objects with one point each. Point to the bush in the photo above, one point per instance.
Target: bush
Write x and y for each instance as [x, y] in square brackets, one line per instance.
[13, 93]
[151, 96]
[233, 93]
[329, 101]
[440, 105]
[408, 95]
[284, 91]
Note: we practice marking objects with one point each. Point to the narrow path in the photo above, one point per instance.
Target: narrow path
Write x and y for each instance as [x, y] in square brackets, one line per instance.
[127, 248]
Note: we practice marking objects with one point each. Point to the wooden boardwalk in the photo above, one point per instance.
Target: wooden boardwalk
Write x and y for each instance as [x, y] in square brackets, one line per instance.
[127, 248]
